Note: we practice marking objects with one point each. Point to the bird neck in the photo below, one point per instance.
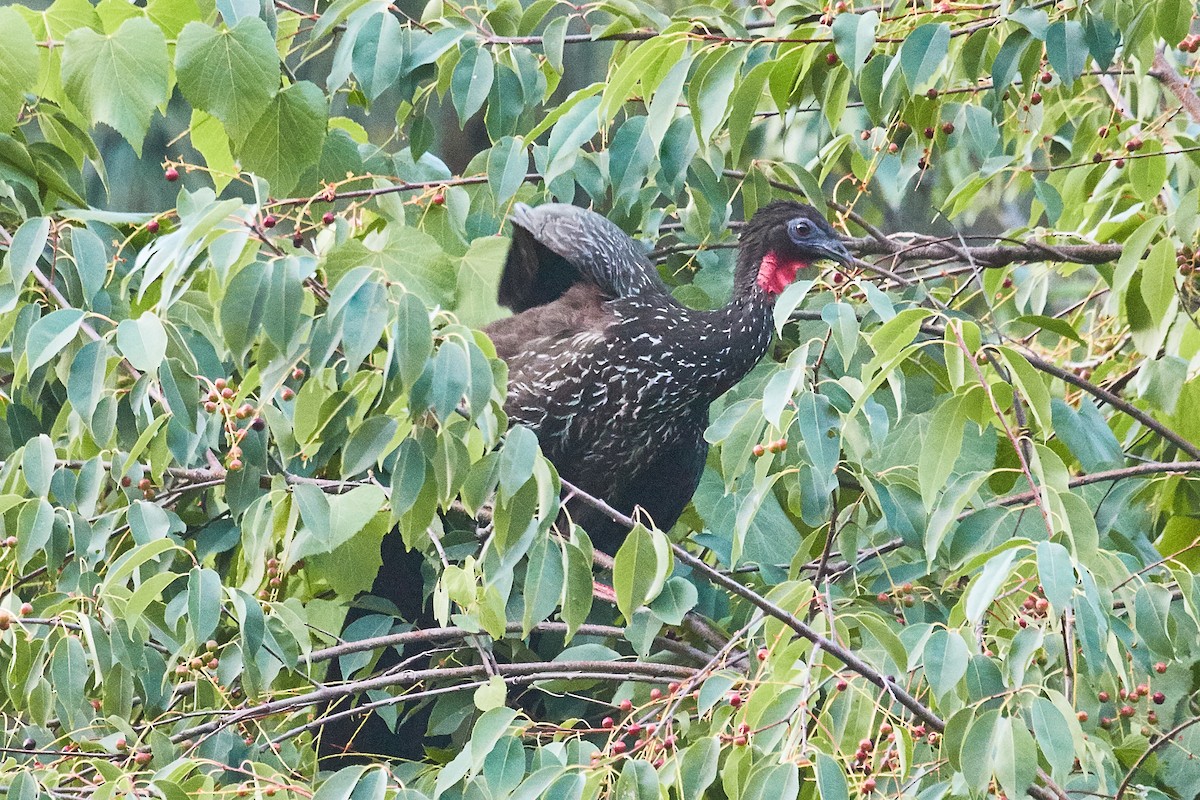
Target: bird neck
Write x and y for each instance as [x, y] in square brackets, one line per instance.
[736, 336]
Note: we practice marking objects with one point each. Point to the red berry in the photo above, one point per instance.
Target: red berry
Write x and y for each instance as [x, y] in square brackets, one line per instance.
[762, 654]
[298, 373]
[947, 128]
[126, 481]
[841, 685]
[1159, 698]
[1133, 145]
[287, 393]
[1082, 716]
[298, 240]
[619, 747]
[831, 59]
[626, 704]
[142, 758]
[1035, 98]
[655, 693]
[868, 785]
[673, 687]
[633, 730]
[234, 465]
[1126, 711]
[1160, 667]
[439, 199]
[893, 148]
[258, 424]
[152, 226]
[1119, 163]
[26, 609]
[269, 221]
[227, 392]
[327, 218]
[929, 133]
[1103, 697]
[740, 741]
[932, 94]
[171, 174]
[607, 722]
[1102, 132]
[1046, 77]
[121, 744]
[759, 451]
[735, 699]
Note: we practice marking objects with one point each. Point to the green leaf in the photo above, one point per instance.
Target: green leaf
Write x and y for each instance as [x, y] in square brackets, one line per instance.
[478, 276]
[553, 37]
[745, 103]
[711, 88]
[698, 768]
[27, 246]
[854, 38]
[232, 74]
[945, 660]
[577, 593]
[940, 448]
[831, 779]
[143, 341]
[516, 459]
[637, 781]
[413, 336]
[1056, 574]
[287, 137]
[366, 444]
[340, 785]
[640, 568]
[543, 582]
[50, 334]
[507, 164]
[204, 603]
[1029, 382]
[118, 79]
[1152, 617]
[378, 53]
[35, 523]
[1148, 172]
[1158, 280]
[1016, 756]
[471, 81]
[923, 52]
[1066, 49]
[37, 464]
[677, 598]
[18, 65]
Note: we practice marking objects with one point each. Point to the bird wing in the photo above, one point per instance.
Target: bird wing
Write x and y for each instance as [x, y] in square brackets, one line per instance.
[558, 246]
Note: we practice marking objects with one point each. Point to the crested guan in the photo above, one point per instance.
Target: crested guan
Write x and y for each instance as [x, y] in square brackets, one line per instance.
[612, 373]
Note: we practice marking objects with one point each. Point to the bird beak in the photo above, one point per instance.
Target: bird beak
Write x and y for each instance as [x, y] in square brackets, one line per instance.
[834, 250]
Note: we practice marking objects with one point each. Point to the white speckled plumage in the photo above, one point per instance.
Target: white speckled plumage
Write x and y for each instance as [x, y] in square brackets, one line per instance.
[610, 371]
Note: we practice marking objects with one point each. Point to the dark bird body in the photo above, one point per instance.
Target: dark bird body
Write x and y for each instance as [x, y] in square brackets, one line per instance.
[612, 373]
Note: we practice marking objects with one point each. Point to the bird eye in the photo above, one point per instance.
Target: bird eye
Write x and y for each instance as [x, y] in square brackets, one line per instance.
[800, 229]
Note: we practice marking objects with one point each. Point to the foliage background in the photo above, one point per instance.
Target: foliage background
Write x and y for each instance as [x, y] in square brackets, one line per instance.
[946, 540]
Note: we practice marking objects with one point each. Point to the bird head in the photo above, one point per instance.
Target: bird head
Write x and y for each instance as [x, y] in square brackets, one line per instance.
[784, 237]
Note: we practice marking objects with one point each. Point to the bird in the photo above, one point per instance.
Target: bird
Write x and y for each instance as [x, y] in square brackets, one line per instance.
[612, 373]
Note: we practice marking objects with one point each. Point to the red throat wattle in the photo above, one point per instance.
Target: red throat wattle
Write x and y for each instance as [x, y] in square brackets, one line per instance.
[776, 274]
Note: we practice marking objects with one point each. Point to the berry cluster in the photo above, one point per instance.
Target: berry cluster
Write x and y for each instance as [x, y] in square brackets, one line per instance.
[880, 752]
[1034, 607]
[1190, 43]
[220, 398]
[205, 661]
[776, 446]
[905, 595]
[1188, 260]
[1128, 700]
